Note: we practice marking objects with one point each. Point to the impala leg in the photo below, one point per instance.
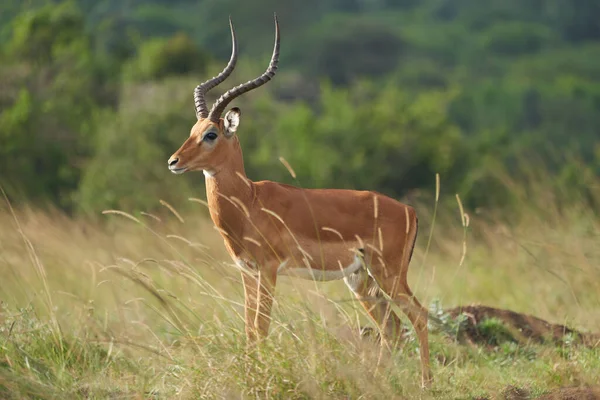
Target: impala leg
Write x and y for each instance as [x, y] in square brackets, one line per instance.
[266, 292]
[418, 318]
[370, 297]
[250, 306]
[417, 314]
[258, 293]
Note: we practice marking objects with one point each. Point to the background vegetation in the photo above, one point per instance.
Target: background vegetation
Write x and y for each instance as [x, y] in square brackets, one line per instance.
[370, 94]
[501, 98]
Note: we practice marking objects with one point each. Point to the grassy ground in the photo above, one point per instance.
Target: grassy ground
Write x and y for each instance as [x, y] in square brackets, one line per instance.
[152, 309]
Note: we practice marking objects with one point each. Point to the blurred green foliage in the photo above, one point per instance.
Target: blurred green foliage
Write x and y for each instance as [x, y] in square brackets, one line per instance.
[378, 94]
[161, 57]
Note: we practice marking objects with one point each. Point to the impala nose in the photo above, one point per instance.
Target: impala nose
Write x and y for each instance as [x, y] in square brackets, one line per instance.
[173, 160]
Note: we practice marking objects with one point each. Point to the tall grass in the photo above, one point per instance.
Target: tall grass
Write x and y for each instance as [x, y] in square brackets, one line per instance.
[150, 306]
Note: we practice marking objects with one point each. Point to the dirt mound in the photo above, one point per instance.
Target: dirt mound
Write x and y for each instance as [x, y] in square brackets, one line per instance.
[517, 327]
[567, 393]
[573, 393]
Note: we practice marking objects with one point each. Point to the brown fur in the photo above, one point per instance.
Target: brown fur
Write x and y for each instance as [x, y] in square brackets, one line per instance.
[266, 223]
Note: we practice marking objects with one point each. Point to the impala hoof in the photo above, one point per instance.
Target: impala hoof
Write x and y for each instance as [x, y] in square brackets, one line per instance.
[370, 333]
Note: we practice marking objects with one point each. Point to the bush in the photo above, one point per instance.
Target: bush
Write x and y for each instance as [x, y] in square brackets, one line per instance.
[129, 168]
[160, 58]
[516, 38]
[52, 84]
[38, 34]
[354, 48]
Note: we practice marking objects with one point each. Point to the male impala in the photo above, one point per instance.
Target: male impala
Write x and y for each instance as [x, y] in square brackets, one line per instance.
[273, 229]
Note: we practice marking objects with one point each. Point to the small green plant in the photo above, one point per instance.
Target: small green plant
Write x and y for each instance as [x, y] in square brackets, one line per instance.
[442, 321]
[494, 332]
[566, 349]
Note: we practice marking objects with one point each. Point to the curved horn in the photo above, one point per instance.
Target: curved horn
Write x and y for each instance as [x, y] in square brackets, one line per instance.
[202, 89]
[229, 96]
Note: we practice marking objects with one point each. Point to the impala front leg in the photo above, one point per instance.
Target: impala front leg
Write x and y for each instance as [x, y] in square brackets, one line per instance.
[250, 305]
[259, 291]
[266, 293]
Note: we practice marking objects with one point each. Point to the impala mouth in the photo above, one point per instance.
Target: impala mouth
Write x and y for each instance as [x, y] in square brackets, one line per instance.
[178, 171]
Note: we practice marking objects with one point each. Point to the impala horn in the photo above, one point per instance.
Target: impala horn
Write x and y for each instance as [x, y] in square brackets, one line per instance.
[229, 96]
[202, 89]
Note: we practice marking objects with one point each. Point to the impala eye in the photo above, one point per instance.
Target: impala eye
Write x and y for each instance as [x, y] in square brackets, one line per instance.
[210, 136]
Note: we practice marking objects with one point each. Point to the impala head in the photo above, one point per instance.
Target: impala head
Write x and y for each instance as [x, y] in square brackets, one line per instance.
[212, 138]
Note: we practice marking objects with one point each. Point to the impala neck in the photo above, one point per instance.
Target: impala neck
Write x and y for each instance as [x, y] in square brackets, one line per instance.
[225, 185]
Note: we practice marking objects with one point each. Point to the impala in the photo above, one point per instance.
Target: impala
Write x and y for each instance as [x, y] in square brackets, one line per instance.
[273, 229]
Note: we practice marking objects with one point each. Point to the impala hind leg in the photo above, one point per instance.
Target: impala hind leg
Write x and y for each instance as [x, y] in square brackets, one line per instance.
[370, 297]
[403, 297]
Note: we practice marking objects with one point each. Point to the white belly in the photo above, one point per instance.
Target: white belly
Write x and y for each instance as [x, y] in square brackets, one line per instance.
[321, 274]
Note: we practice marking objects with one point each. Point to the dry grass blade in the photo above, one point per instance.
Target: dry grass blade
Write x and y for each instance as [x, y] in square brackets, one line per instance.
[195, 200]
[173, 211]
[122, 213]
[288, 167]
[151, 216]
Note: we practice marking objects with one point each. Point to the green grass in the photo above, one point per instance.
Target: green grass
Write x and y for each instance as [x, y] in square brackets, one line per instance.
[153, 309]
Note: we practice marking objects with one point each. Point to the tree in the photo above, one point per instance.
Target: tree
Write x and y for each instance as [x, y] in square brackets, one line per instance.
[53, 87]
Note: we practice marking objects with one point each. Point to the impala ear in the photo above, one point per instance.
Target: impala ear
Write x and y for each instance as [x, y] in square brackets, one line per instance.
[231, 121]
